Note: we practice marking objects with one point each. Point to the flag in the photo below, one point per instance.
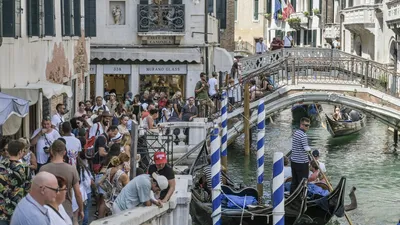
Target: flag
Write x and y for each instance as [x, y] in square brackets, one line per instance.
[277, 8]
[284, 8]
[287, 10]
[290, 9]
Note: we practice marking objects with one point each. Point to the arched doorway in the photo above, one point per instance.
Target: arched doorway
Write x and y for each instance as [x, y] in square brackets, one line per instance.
[358, 45]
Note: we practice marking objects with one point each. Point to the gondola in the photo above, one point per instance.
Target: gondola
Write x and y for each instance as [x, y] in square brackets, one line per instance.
[345, 127]
[310, 111]
[201, 206]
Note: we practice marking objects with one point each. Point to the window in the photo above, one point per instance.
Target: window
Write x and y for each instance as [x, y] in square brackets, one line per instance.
[33, 18]
[49, 18]
[142, 2]
[310, 7]
[350, 3]
[210, 4]
[293, 2]
[90, 18]
[8, 18]
[236, 9]
[77, 17]
[66, 18]
[342, 4]
[221, 13]
[176, 2]
[255, 17]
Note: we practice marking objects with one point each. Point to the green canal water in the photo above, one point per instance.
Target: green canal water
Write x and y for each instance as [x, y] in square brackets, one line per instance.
[359, 157]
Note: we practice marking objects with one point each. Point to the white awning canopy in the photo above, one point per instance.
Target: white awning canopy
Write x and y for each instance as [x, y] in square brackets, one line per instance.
[12, 109]
[223, 60]
[48, 89]
[148, 54]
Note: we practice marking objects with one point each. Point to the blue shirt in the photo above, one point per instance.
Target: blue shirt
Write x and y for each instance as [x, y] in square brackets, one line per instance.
[30, 212]
[136, 192]
[300, 147]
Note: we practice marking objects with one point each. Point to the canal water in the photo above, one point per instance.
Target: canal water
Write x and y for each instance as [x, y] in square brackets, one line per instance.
[359, 157]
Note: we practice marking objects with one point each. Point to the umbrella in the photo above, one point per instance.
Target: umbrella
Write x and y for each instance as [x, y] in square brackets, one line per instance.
[10, 105]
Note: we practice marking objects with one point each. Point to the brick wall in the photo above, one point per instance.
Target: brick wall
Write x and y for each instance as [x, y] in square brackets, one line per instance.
[228, 35]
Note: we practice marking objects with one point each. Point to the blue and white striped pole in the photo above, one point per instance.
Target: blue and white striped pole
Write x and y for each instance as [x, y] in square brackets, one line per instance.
[224, 139]
[260, 147]
[216, 176]
[278, 198]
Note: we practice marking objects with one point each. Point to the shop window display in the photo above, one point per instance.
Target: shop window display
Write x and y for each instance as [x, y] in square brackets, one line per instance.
[118, 82]
[163, 83]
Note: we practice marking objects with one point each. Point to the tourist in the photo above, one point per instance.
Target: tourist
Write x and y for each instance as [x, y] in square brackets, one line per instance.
[288, 41]
[299, 158]
[276, 44]
[30, 210]
[138, 191]
[354, 115]
[81, 110]
[315, 154]
[58, 118]
[43, 138]
[201, 91]
[162, 101]
[336, 43]
[261, 47]
[149, 122]
[88, 105]
[167, 112]
[112, 103]
[72, 143]
[189, 111]
[57, 213]
[29, 157]
[86, 181]
[213, 87]
[337, 115]
[146, 109]
[255, 92]
[161, 167]
[58, 167]
[135, 107]
[15, 180]
[101, 147]
[99, 105]
[80, 127]
[122, 127]
[314, 172]
[101, 126]
[287, 170]
[177, 103]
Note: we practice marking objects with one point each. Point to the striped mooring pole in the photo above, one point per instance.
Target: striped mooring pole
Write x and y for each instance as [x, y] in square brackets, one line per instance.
[216, 176]
[278, 199]
[224, 139]
[260, 148]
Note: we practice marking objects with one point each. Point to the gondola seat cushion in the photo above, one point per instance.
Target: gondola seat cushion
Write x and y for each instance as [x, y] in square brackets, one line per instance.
[237, 202]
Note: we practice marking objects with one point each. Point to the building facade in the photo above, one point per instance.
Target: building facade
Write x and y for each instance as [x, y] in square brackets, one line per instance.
[161, 45]
[255, 19]
[44, 56]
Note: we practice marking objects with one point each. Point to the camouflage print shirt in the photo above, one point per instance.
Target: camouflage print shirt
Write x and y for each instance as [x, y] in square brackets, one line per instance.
[15, 183]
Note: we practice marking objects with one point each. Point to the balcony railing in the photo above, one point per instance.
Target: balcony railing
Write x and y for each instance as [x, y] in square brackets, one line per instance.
[362, 14]
[332, 31]
[167, 18]
[244, 46]
[302, 17]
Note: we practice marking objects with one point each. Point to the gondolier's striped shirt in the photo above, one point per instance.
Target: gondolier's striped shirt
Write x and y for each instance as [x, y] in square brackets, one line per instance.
[300, 147]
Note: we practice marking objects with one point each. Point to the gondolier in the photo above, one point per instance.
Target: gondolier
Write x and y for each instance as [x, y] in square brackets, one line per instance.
[299, 157]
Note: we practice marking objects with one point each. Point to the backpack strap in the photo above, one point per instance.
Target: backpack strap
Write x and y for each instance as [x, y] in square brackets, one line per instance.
[98, 129]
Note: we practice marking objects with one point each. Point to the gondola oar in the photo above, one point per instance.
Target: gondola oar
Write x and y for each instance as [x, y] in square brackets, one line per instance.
[329, 184]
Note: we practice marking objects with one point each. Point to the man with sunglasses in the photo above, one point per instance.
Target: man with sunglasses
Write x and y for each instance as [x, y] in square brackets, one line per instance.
[138, 191]
[30, 210]
[299, 157]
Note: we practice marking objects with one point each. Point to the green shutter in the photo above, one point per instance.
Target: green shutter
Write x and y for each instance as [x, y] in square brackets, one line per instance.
[314, 38]
[176, 2]
[255, 10]
[1, 18]
[90, 18]
[49, 18]
[144, 2]
[8, 18]
[77, 17]
[210, 6]
[66, 17]
[293, 2]
[310, 7]
[221, 13]
[33, 18]
[268, 3]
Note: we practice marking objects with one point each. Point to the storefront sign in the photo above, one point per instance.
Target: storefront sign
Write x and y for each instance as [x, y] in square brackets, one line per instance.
[160, 40]
[117, 69]
[163, 69]
[93, 69]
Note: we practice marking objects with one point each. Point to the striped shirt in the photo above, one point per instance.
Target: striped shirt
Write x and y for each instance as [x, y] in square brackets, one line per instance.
[207, 174]
[300, 147]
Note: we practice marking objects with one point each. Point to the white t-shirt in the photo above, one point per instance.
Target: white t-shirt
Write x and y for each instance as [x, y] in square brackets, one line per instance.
[212, 82]
[335, 44]
[287, 41]
[73, 148]
[56, 219]
[56, 120]
[287, 172]
[93, 129]
[322, 166]
[41, 156]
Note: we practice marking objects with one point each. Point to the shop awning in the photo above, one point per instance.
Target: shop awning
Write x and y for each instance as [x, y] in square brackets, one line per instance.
[148, 54]
[12, 109]
[47, 88]
[223, 60]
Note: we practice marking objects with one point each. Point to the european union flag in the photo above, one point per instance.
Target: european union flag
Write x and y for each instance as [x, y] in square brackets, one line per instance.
[277, 8]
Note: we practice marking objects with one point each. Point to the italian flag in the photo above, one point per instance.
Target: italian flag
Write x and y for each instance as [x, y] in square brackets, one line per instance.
[287, 9]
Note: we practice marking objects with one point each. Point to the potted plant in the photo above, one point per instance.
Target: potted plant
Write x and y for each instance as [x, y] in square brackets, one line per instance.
[280, 17]
[306, 14]
[316, 12]
[294, 23]
[267, 16]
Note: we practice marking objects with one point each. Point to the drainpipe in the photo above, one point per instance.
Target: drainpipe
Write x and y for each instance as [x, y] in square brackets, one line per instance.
[206, 34]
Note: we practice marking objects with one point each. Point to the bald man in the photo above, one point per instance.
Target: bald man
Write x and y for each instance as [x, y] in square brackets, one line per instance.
[30, 210]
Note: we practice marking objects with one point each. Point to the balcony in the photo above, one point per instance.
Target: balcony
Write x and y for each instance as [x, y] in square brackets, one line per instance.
[360, 19]
[303, 19]
[332, 31]
[163, 19]
[393, 15]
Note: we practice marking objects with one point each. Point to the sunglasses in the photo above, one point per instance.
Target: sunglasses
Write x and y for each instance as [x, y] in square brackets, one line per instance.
[57, 190]
[306, 125]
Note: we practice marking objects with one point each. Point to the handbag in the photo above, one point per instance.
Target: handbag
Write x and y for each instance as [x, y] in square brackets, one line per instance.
[106, 185]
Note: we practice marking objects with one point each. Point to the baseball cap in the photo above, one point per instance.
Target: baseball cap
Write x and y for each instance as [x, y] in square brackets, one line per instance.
[161, 181]
[160, 157]
[315, 153]
[117, 137]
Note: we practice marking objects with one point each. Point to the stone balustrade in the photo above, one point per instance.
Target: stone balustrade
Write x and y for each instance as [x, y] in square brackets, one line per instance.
[174, 212]
[331, 31]
[303, 19]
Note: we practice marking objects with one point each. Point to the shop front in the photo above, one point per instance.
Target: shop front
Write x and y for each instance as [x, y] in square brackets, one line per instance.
[163, 78]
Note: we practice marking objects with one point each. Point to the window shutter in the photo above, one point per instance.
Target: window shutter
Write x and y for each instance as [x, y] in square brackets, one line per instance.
[236, 9]
[33, 18]
[66, 15]
[255, 17]
[176, 2]
[144, 2]
[293, 2]
[221, 13]
[77, 17]
[310, 7]
[268, 3]
[8, 18]
[49, 18]
[314, 38]
[90, 18]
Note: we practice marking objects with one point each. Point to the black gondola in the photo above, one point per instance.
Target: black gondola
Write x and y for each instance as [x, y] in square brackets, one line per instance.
[345, 127]
[310, 111]
[201, 207]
